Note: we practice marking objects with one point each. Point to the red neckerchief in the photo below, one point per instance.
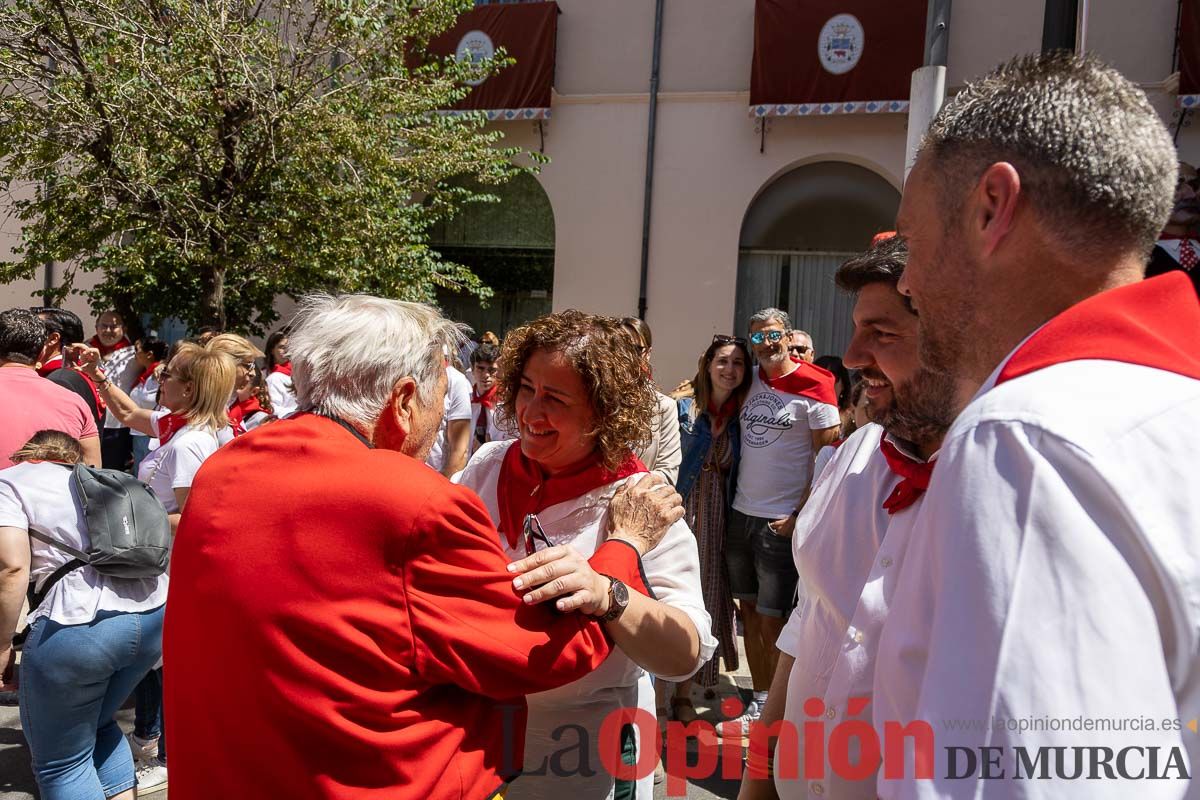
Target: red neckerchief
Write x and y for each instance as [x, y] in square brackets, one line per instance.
[286, 369]
[55, 363]
[525, 489]
[914, 477]
[806, 380]
[487, 399]
[724, 412]
[104, 349]
[148, 372]
[1154, 323]
[170, 425]
[240, 410]
[101, 406]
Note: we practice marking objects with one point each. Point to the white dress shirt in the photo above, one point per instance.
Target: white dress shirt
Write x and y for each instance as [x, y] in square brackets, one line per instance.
[1053, 581]
[672, 571]
[848, 550]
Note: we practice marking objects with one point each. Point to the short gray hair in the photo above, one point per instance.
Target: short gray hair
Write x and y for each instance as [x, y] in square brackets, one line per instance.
[1095, 160]
[767, 314]
[349, 351]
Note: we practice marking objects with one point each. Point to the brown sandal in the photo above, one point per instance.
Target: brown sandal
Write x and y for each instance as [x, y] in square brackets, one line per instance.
[683, 710]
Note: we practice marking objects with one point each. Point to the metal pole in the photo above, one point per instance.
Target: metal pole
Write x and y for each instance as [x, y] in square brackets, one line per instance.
[928, 88]
[649, 191]
[1081, 26]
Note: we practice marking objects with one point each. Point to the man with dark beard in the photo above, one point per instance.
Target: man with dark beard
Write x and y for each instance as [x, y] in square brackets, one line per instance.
[852, 535]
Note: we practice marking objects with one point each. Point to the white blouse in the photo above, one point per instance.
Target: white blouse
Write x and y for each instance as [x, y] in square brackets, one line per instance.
[672, 571]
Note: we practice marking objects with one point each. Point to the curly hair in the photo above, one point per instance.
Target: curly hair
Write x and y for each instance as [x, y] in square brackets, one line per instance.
[621, 394]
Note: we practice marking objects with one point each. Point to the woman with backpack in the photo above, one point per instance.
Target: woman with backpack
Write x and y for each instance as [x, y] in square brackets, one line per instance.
[193, 420]
[92, 638]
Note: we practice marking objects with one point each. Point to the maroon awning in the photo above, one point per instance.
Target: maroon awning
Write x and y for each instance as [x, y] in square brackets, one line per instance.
[527, 33]
[835, 56]
[1189, 54]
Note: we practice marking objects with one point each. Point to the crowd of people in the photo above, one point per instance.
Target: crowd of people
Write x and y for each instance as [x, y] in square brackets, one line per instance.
[406, 563]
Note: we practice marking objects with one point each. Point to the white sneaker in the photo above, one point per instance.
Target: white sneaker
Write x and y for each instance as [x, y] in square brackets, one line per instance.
[739, 727]
[151, 777]
[145, 751]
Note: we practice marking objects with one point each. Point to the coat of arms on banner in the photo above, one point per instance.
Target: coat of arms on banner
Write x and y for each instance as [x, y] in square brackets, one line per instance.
[840, 44]
[474, 46]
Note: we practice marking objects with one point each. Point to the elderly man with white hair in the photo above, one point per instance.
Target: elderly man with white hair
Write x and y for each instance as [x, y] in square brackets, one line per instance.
[351, 608]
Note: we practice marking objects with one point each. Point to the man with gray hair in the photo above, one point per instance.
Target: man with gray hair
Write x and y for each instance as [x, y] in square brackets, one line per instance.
[351, 606]
[1054, 570]
[790, 413]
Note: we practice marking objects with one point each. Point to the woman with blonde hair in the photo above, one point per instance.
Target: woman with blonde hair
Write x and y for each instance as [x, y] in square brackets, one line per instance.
[91, 638]
[244, 406]
[194, 393]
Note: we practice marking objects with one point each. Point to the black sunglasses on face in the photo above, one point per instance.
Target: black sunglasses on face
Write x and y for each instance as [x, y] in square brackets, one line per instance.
[798, 349]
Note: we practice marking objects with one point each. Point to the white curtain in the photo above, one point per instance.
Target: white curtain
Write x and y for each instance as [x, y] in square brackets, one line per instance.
[802, 285]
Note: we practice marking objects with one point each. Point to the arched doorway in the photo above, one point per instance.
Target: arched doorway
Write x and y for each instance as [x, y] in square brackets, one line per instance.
[795, 235]
[510, 246]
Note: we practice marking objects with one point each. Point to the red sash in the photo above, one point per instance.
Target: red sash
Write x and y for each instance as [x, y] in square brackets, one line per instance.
[487, 399]
[170, 425]
[524, 488]
[806, 380]
[914, 476]
[55, 363]
[240, 410]
[1154, 323]
[147, 373]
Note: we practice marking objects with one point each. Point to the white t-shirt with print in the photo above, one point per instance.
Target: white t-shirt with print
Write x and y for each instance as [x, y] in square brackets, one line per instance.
[457, 405]
[175, 464]
[37, 495]
[777, 456]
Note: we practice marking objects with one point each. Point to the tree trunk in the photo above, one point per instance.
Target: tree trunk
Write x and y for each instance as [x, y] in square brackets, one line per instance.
[212, 296]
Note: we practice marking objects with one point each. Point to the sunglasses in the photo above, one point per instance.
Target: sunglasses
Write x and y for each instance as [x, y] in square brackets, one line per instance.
[798, 349]
[758, 337]
[721, 338]
[534, 534]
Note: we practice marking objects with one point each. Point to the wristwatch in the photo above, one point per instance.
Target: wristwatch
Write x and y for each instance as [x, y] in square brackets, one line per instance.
[618, 599]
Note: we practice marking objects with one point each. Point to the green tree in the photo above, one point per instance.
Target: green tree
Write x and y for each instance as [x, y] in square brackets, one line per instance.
[208, 155]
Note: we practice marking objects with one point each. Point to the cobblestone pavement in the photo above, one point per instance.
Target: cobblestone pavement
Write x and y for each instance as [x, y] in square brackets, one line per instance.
[16, 779]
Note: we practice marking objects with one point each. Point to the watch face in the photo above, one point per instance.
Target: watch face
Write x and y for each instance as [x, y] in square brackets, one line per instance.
[620, 593]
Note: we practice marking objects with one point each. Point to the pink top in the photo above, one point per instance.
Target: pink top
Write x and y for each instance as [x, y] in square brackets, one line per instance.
[30, 403]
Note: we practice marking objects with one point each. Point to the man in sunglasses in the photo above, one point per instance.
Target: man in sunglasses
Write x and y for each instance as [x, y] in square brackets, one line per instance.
[790, 413]
[800, 346]
[854, 530]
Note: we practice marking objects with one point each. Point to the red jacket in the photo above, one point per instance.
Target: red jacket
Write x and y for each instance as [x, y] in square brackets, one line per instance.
[340, 624]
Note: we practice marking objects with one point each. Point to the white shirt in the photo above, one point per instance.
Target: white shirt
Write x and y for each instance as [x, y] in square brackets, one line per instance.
[283, 394]
[672, 570]
[457, 405]
[777, 456]
[495, 431]
[120, 367]
[174, 465]
[145, 394]
[1054, 573]
[847, 549]
[38, 496]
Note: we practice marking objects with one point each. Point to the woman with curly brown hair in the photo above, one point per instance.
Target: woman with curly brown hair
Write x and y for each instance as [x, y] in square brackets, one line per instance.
[576, 389]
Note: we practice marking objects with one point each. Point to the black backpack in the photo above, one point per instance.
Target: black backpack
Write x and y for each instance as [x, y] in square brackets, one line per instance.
[128, 528]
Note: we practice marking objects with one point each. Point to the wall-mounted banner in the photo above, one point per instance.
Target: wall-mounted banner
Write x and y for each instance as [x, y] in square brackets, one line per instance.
[1189, 54]
[527, 32]
[815, 57]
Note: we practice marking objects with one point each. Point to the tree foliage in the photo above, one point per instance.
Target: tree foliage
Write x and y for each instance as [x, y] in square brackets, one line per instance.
[208, 155]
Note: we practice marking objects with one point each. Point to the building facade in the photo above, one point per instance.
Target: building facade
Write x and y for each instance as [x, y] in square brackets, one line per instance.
[745, 211]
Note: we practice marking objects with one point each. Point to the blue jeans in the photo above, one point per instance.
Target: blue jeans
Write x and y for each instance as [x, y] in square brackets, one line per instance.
[73, 679]
[141, 449]
[148, 711]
